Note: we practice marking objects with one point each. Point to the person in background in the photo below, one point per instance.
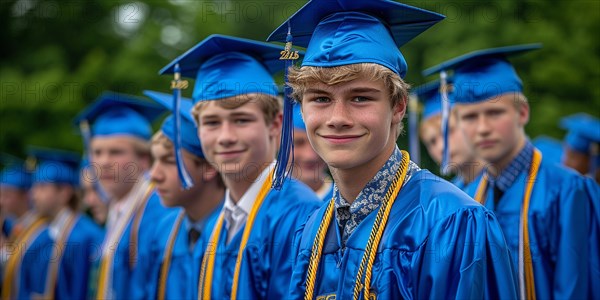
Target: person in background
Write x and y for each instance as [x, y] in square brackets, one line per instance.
[582, 144]
[309, 167]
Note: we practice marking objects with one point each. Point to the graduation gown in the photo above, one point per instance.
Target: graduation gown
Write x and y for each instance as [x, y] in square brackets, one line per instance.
[134, 245]
[82, 246]
[266, 265]
[559, 220]
[438, 244]
[26, 267]
[182, 277]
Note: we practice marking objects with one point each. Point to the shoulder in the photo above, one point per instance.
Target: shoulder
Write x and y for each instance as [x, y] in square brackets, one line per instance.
[294, 193]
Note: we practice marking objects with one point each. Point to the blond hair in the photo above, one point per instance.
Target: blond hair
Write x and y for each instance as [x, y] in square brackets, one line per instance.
[269, 105]
[300, 79]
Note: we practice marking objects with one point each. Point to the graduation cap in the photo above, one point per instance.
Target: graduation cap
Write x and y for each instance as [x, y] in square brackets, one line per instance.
[54, 166]
[583, 130]
[226, 66]
[15, 173]
[114, 114]
[551, 148]
[344, 32]
[187, 132]
[484, 74]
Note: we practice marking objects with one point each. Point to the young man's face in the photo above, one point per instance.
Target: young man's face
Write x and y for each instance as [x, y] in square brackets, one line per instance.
[117, 163]
[460, 150]
[494, 128]
[13, 200]
[308, 166]
[351, 124]
[48, 198]
[164, 175]
[237, 141]
[431, 135]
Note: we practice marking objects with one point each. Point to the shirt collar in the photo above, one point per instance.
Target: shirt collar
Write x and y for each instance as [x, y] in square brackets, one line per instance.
[247, 200]
[519, 164]
[57, 225]
[189, 224]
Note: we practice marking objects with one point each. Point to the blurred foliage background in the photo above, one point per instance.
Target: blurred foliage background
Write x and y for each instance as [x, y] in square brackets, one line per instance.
[58, 56]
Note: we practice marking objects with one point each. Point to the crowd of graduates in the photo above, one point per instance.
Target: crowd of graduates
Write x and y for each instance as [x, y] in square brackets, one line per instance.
[250, 190]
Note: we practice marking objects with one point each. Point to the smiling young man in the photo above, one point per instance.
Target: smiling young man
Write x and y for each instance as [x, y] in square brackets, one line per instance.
[392, 231]
[176, 251]
[120, 152]
[462, 159]
[239, 123]
[544, 209]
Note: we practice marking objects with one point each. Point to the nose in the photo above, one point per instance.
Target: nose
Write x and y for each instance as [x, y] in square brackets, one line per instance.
[155, 174]
[340, 115]
[227, 135]
[483, 126]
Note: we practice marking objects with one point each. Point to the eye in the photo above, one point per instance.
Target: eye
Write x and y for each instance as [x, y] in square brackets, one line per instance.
[468, 117]
[360, 99]
[210, 123]
[321, 100]
[242, 121]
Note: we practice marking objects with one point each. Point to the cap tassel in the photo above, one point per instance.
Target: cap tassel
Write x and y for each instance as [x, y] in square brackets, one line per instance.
[445, 121]
[86, 133]
[176, 85]
[286, 149]
[413, 115]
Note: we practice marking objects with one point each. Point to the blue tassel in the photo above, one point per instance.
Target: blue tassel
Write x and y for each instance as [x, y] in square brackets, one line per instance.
[286, 149]
[184, 176]
[413, 137]
[445, 121]
[86, 133]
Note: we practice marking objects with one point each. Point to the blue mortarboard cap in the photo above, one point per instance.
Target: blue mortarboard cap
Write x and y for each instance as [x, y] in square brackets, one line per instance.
[227, 66]
[15, 173]
[55, 166]
[583, 130]
[298, 121]
[120, 114]
[430, 96]
[347, 32]
[189, 130]
[483, 74]
[551, 148]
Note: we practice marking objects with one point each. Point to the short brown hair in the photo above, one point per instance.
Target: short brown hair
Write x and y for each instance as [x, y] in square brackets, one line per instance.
[269, 105]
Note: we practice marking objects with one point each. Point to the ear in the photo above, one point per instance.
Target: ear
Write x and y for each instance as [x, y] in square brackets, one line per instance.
[523, 111]
[275, 127]
[398, 112]
[209, 172]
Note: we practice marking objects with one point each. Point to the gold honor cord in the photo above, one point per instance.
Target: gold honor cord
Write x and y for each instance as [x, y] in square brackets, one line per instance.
[57, 252]
[372, 244]
[16, 258]
[525, 255]
[481, 190]
[135, 227]
[106, 260]
[164, 269]
[208, 261]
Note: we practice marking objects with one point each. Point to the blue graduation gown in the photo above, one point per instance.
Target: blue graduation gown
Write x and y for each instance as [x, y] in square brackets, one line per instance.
[266, 265]
[559, 220]
[33, 269]
[438, 244]
[182, 280]
[82, 246]
[593, 190]
[123, 275]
